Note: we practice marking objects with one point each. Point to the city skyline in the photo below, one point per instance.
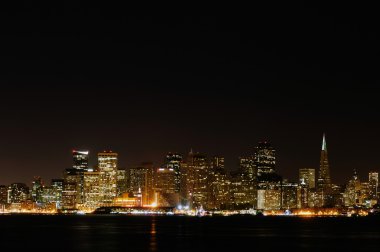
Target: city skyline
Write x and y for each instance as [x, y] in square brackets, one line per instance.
[84, 160]
[194, 183]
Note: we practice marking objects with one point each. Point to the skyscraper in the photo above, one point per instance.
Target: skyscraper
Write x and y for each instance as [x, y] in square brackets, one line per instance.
[268, 182]
[352, 192]
[217, 184]
[80, 159]
[107, 163]
[18, 193]
[307, 176]
[219, 192]
[80, 165]
[373, 181]
[173, 161]
[57, 185]
[3, 195]
[37, 189]
[265, 158]
[290, 192]
[91, 190]
[72, 189]
[166, 187]
[197, 179]
[324, 170]
[324, 181]
[141, 180]
[249, 179]
[121, 180]
[217, 162]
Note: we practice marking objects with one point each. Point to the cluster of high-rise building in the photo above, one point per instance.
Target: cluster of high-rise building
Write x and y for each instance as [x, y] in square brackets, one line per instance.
[191, 182]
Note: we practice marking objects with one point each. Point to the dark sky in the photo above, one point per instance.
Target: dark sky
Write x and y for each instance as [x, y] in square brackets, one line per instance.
[145, 85]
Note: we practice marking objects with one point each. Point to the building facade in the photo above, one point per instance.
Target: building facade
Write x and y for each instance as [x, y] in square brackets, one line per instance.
[108, 165]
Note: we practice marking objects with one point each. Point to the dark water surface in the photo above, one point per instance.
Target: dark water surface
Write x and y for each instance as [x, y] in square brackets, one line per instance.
[175, 233]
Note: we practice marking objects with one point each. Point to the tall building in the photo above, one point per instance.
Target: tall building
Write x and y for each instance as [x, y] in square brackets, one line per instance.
[197, 180]
[48, 195]
[290, 195]
[324, 181]
[184, 191]
[307, 176]
[37, 189]
[304, 195]
[3, 194]
[80, 164]
[268, 182]
[352, 192]
[57, 185]
[217, 162]
[173, 161]
[80, 159]
[249, 179]
[107, 164]
[121, 181]
[373, 181]
[265, 159]
[92, 198]
[219, 193]
[166, 187]
[141, 180]
[269, 195]
[18, 193]
[269, 198]
[72, 189]
[240, 197]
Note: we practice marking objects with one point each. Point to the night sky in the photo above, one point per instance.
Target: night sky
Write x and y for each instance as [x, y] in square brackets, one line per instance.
[144, 85]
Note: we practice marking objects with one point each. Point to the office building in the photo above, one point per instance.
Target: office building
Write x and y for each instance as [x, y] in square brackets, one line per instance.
[307, 176]
[108, 165]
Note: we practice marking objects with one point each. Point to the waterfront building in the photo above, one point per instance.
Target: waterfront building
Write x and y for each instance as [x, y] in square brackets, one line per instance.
[128, 200]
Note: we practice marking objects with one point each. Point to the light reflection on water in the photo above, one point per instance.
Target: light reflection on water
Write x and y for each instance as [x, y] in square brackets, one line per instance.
[172, 233]
[153, 238]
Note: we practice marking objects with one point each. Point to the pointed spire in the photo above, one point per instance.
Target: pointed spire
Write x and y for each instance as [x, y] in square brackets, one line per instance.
[324, 147]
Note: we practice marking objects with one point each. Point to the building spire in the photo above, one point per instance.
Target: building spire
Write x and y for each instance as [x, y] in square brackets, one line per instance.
[324, 147]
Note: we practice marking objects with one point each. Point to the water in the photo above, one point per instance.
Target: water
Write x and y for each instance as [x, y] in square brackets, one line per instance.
[175, 233]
